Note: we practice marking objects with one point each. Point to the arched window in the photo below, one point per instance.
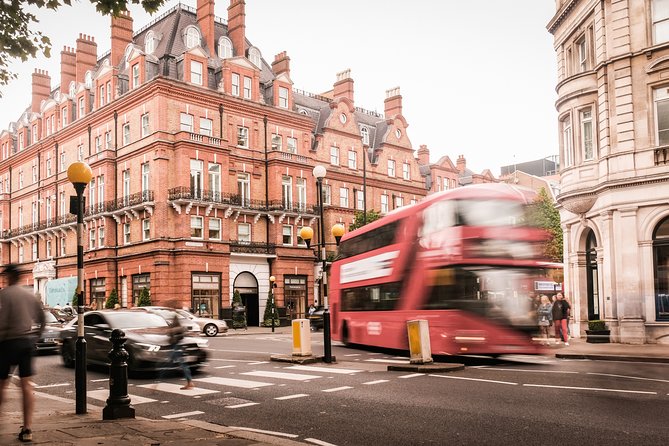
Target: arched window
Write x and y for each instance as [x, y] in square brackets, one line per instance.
[224, 48]
[150, 42]
[661, 257]
[88, 80]
[73, 89]
[192, 37]
[364, 132]
[254, 56]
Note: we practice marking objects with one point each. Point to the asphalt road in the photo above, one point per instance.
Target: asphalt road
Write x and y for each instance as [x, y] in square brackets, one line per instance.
[358, 402]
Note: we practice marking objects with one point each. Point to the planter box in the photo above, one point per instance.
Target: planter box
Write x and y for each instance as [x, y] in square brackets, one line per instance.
[598, 336]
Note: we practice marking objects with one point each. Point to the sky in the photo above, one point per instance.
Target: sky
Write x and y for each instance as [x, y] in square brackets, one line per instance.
[477, 78]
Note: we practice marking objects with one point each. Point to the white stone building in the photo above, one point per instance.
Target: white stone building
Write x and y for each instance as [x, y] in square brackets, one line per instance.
[613, 105]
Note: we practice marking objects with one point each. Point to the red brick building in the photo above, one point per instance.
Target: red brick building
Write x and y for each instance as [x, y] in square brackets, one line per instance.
[202, 156]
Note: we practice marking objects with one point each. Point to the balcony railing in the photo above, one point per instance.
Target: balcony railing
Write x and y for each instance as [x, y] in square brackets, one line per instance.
[252, 247]
[186, 193]
[662, 156]
[289, 206]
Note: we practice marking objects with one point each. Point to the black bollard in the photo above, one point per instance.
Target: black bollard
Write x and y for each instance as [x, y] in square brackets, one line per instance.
[118, 403]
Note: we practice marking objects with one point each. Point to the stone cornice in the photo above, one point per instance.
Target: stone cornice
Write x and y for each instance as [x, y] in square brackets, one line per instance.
[561, 15]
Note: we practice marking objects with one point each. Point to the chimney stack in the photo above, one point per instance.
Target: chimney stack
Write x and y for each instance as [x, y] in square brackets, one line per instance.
[423, 155]
[393, 102]
[205, 19]
[41, 89]
[281, 64]
[237, 26]
[86, 57]
[121, 36]
[344, 85]
[461, 163]
[68, 68]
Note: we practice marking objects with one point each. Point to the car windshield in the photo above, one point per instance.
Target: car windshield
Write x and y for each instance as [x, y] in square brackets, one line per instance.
[185, 314]
[166, 314]
[49, 318]
[135, 320]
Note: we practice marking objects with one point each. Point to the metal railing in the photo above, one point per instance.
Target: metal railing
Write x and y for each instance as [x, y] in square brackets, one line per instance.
[252, 247]
[186, 193]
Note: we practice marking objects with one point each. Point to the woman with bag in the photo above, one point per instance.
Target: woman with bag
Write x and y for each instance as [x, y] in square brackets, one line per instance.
[545, 317]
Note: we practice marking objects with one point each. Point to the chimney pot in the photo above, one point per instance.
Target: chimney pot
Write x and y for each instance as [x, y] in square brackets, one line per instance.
[121, 36]
[205, 19]
[393, 102]
[237, 26]
[343, 87]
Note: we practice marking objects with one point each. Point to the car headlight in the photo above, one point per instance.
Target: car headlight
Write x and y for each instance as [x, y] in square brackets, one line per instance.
[149, 347]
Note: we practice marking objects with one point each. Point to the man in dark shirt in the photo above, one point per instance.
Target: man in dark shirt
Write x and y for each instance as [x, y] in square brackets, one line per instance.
[560, 317]
[20, 311]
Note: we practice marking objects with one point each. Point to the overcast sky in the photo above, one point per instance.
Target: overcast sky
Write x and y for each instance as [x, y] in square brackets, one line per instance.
[477, 77]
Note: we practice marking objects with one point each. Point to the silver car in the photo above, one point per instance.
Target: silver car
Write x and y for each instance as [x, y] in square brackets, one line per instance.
[167, 313]
[210, 327]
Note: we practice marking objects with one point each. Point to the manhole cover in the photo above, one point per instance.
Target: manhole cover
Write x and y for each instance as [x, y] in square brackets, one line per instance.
[228, 401]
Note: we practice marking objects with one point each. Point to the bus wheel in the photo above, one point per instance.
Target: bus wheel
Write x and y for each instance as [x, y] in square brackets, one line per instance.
[344, 335]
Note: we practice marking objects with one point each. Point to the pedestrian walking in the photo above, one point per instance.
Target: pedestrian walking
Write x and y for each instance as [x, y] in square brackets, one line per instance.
[545, 317]
[566, 299]
[19, 312]
[560, 315]
[176, 332]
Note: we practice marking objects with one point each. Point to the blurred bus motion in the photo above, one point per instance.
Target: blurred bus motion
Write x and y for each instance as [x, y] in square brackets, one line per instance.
[466, 260]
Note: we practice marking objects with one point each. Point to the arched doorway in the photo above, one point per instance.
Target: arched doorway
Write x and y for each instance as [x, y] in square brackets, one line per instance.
[247, 285]
[592, 274]
[661, 260]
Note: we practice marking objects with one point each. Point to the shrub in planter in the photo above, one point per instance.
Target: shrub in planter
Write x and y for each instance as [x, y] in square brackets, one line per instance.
[596, 325]
[597, 332]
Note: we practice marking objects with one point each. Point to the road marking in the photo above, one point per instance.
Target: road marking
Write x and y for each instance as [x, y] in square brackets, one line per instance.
[337, 389]
[290, 397]
[102, 395]
[176, 388]
[260, 431]
[233, 382]
[353, 354]
[307, 368]
[591, 388]
[630, 377]
[290, 376]
[225, 366]
[258, 362]
[237, 406]
[182, 415]
[476, 379]
[46, 386]
[389, 361]
[319, 442]
[99, 380]
[378, 381]
[530, 371]
[413, 375]
[245, 361]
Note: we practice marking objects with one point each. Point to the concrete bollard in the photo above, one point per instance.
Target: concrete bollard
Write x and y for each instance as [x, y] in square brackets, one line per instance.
[301, 337]
[118, 403]
[419, 342]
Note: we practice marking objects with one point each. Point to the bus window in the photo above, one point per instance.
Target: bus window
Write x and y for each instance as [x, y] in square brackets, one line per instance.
[371, 298]
[369, 241]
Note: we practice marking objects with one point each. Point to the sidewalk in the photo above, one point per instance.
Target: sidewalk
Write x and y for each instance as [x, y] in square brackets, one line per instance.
[55, 423]
[579, 349]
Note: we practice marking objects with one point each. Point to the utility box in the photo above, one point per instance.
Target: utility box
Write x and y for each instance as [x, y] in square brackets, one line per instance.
[419, 342]
[301, 337]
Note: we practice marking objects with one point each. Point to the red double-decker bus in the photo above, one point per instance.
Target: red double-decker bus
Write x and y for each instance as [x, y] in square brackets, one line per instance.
[465, 260]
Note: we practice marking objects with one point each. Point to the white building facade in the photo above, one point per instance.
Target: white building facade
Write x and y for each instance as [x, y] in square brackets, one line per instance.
[613, 105]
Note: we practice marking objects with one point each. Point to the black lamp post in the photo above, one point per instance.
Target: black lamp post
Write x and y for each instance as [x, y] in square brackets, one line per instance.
[272, 300]
[80, 175]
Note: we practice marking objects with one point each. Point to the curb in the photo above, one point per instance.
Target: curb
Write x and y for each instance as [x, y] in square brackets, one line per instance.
[596, 357]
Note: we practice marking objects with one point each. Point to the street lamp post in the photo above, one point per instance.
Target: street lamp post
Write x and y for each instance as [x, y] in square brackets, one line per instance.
[272, 302]
[80, 175]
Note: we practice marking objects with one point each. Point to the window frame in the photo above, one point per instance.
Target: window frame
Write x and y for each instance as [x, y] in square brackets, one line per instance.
[196, 72]
[194, 228]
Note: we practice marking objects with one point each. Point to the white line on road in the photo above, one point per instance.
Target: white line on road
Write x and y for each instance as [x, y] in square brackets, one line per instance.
[290, 397]
[319, 442]
[476, 379]
[413, 375]
[182, 415]
[99, 380]
[237, 406]
[176, 388]
[378, 381]
[260, 431]
[630, 377]
[530, 371]
[51, 385]
[591, 388]
[389, 361]
[246, 361]
[258, 362]
[323, 369]
[233, 382]
[289, 376]
[225, 366]
[353, 354]
[337, 389]
[103, 394]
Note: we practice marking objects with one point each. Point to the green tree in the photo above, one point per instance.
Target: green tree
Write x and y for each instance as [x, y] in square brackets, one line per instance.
[359, 219]
[270, 309]
[75, 299]
[112, 300]
[20, 40]
[144, 298]
[238, 317]
[546, 216]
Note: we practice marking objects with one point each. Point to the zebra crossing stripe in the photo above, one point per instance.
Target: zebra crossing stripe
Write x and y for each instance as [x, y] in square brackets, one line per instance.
[279, 375]
[183, 415]
[103, 394]
[237, 406]
[307, 368]
[290, 397]
[242, 383]
[176, 388]
[337, 389]
[378, 381]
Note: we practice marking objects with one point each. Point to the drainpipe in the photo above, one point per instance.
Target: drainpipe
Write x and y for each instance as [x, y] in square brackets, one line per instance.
[220, 121]
[264, 120]
[115, 198]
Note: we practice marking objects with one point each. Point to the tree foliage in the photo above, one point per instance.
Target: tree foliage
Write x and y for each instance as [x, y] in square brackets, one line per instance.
[112, 300]
[270, 309]
[144, 298]
[75, 299]
[238, 317]
[546, 216]
[20, 40]
[359, 219]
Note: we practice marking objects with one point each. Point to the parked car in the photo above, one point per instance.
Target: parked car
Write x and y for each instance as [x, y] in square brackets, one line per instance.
[210, 327]
[316, 318]
[147, 342]
[167, 313]
[49, 341]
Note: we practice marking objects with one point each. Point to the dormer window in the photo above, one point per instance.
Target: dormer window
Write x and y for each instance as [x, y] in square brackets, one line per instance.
[150, 42]
[254, 56]
[196, 72]
[73, 89]
[192, 37]
[224, 48]
[364, 133]
[88, 80]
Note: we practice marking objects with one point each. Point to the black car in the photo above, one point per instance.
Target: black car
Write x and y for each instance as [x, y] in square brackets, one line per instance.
[50, 340]
[316, 318]
[147, 342]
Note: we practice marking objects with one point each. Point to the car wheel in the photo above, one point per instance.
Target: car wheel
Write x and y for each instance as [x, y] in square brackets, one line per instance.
[344, 335]
[67, 353]
[210, 330]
